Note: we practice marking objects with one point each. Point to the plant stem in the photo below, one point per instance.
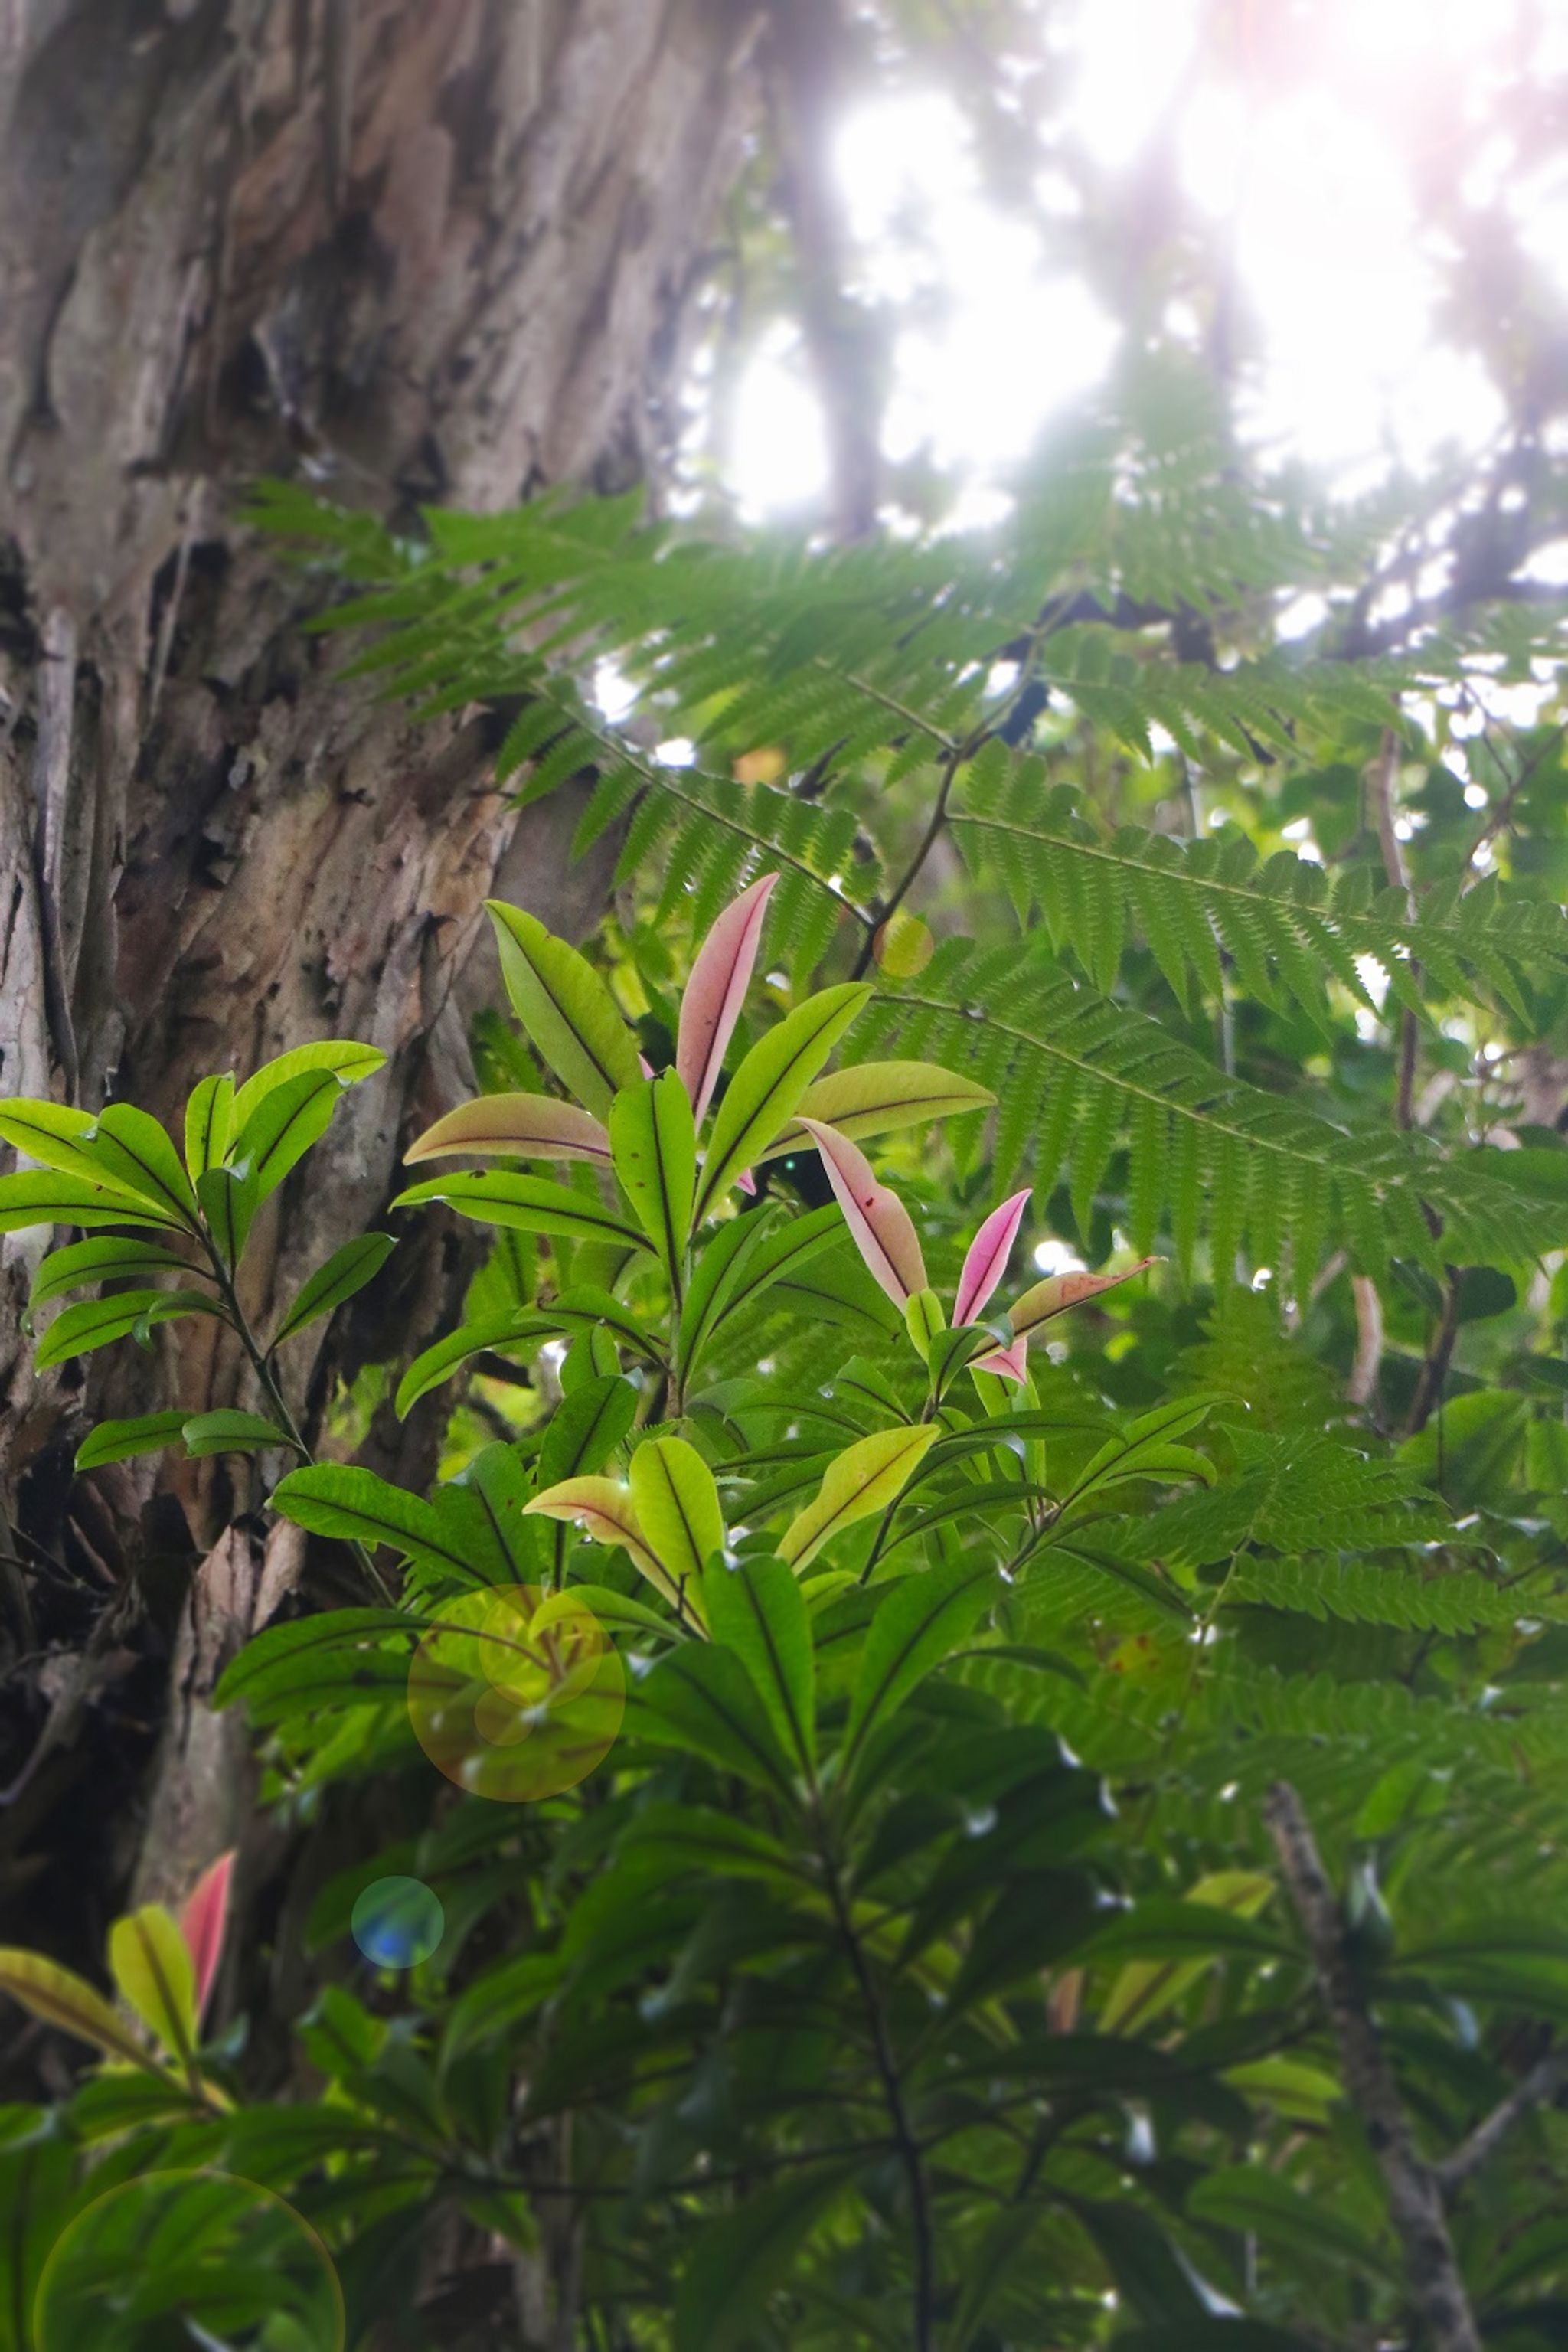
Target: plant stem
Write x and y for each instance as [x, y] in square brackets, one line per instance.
[904, 2140]
[239, 1323]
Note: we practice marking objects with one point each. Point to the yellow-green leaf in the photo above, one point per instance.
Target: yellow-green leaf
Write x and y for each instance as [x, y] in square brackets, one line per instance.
[676, 1502]
[767, 1090]
[61, 1998]
[153, 1968]
[865, 1478]
[655, 1140]
[209, 1124]
[876, 1097]
[604, 1509]
[518, 1127]
[566, 1008]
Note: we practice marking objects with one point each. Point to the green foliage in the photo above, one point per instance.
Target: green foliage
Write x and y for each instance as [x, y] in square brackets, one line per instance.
[908, 1963]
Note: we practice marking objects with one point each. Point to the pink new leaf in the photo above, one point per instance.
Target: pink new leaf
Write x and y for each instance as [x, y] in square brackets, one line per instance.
[715, 992]
[877, 1218]
[1007, 1363]
[986, 1261]
[202, 1922]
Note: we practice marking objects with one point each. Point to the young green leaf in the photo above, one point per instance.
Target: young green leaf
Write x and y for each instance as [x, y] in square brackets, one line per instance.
[741, 1261]
[532, 1203]
[38, 1196]
[346, 1272]
[117, 1441]
[339, 1498]
[154, 1969]
[112, 1260]
[865, 1478]
[767, 1090]
[740, 2258]
[605, 1510]
[134, 1151]
[440, 1362]
[209, 1125]
[228, 1431]
[56, 1137]
[287, 1120]
[566, 1010]
[677, 1503]
[877, 1097]
[923, 1619]
[96, 1321]
[702, 1697]
[343, 1058]
[61, 1998]
[758, 1610]
[228, 1198]
[516, 1127]
[587, 1428]
[655, 1144]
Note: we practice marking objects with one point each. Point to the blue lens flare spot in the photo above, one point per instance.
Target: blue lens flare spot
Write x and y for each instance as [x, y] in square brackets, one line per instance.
[397, 1922]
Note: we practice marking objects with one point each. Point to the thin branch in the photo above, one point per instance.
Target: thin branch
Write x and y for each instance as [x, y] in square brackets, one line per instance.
[904, 2140]
[1415, 2199]
[1362, 1387]
[1536, 2089]
[1438, 1355]
[1381, 779]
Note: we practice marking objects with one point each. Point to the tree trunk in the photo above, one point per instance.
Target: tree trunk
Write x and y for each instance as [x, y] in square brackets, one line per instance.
[430, 250]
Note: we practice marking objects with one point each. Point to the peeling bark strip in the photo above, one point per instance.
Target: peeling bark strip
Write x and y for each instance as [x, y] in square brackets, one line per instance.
[434, 250]
[1415, 2197]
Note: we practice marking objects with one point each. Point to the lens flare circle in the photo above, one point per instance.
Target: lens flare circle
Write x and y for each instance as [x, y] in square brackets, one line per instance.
[252, 2272]
[397, 1922]
[516, 1693]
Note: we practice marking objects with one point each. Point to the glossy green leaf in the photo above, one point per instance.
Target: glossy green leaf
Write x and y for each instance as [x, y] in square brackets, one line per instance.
[287, 1120]
[271, 1658]
[923, 1619]
[516, 1127]
[1251, 2198]
[135, 1151]
[117, 1441]
[228, 1198]
[677, 1503]
[767, 1090]
[338, 1499]
[346, 1272]
[587, 1428]
[437, 1363]
[607, 1513]
[703, 1697]
[209, 1125]
[566, 1009]
[154, 1971]
[38, 1196]
[740, 2259]
[878, 1097]
[758, 1610]
[343, 1058]
[532, 1203]
[94, 1322]
[655, 1143]
[62, 1998]
[865, 1478]
[114, 1259]
[228, 1431]
[56, 1136]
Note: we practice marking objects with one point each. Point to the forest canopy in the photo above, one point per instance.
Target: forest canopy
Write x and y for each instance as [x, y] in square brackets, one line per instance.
[879, 1658]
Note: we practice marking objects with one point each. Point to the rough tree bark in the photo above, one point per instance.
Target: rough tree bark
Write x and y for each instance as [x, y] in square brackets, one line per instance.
[428, 249]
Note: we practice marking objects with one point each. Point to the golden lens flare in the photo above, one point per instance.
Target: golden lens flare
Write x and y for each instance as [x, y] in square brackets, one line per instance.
[251, 2271]
[903, 946]
[516, 1693]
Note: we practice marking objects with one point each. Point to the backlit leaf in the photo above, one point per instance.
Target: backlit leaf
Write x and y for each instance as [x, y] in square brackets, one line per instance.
[865, 1478]
[566, 1008]
[516, 1127]
[767, 1090]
